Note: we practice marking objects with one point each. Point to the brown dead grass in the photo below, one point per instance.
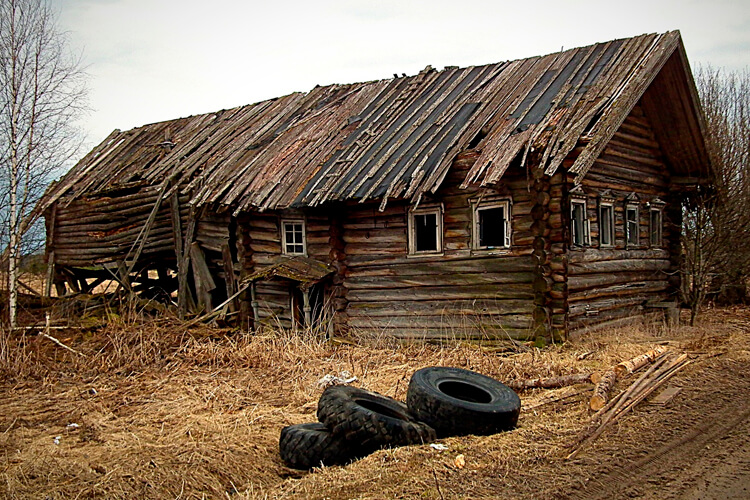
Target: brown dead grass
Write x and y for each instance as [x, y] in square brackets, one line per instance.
[165, 412]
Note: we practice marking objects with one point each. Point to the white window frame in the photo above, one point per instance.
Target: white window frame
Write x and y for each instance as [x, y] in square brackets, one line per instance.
[284, 248]
[611, 206]
[630, 205]
[412, 231]
[476, 207]
[586, 223]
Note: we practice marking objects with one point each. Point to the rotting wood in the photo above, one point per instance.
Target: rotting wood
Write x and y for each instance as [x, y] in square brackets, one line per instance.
[204, 282]
[549, 382]
[229, 280]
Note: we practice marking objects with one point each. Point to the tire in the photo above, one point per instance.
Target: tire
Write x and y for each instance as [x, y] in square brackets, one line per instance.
[305, 446]
[457, 402]
[368, 420]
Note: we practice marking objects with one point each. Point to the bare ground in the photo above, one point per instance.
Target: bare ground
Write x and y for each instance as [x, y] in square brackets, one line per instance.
[163, 412]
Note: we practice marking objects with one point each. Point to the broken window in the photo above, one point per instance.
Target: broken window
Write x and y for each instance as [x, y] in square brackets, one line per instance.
[631, 225]
[491, 225]
[426, 230]
[579, 222]
[293, 237]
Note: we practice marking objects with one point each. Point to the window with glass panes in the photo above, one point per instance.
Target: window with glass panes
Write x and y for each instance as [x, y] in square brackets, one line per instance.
[606, 225]
[655, 227]
[293, 237]
[579, 223]
[631, 225]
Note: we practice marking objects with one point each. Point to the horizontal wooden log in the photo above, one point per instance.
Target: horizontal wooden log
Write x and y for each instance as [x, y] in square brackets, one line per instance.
[594, 254]
[581, 282]
[620, 265]
[440, 307]
[511, 291]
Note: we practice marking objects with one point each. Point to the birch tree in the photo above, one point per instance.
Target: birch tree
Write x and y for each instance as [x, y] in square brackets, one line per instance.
[42, 92]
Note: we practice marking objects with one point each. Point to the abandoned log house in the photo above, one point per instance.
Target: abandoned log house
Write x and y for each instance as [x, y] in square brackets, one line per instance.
[521, 199]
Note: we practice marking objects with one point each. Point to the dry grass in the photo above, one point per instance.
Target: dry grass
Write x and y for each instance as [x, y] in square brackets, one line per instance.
[165, 412]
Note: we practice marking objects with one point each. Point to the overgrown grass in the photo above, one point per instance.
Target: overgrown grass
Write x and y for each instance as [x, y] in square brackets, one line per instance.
[165, 412]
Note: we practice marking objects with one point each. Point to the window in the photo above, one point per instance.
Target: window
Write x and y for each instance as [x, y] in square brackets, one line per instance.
[580, 226]
[606, 225]
[293, 237]
[491, 227]
[426, 230]
[631, 225]
[655, 222]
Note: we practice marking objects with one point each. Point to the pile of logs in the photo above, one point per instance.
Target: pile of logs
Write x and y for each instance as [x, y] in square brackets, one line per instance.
[665, 365]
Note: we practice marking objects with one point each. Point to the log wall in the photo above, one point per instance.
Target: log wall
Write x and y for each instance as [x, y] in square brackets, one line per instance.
[463, 293]
[608, 284]
[103, 229]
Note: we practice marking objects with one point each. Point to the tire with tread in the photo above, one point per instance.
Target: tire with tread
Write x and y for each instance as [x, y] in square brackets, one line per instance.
[457, 402]
[304, 446]
[368, 420]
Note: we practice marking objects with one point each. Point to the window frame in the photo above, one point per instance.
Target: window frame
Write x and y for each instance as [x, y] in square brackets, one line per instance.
[656, 206]
[610, 205]
[284, 247]
[412, 232]
[632, 205]
[488, 204]
[586, 226]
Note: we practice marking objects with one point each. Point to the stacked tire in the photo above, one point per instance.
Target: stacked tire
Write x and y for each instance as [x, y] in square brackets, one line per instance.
[440, 402]
[353, 423]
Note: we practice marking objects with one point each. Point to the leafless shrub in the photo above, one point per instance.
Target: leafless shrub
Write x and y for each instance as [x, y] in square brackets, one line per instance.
[717, 218]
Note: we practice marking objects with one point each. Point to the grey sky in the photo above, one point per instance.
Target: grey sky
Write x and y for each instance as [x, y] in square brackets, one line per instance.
[153, 60]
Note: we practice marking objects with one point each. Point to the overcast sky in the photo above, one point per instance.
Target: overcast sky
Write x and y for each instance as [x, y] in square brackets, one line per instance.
[153, 60]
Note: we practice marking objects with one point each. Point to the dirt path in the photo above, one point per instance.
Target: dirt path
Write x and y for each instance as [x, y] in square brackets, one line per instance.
[696, 448]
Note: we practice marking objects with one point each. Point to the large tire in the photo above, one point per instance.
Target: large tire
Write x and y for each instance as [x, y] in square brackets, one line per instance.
[457, 402]
[368, 420]
[305, 446]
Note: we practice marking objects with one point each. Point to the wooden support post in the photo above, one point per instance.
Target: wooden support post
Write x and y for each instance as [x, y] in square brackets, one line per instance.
[229, 280]
[306, 307]
[50, 274]
[204, 282]
[254, 305]
[123, 274]
[184, 296]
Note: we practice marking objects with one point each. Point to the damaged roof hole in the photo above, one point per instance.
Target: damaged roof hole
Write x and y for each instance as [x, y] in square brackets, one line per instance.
[478, 138]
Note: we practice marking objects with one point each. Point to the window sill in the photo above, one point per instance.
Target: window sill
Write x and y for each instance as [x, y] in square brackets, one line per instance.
[491, 251]
[424, 254]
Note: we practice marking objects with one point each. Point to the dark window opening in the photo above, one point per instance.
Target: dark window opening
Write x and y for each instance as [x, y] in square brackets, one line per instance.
[492, 229]
[631, 225]
[425, 232]
[656, 225]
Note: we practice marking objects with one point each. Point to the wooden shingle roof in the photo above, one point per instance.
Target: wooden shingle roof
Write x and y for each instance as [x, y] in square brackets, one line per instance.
[392, 138]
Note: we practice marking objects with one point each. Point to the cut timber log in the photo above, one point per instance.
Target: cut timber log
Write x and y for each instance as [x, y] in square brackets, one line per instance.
[550, 382]
[627, 367]
[602, 390]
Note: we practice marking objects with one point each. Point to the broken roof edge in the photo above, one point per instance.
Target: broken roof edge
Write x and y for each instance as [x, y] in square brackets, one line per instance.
[429, 181]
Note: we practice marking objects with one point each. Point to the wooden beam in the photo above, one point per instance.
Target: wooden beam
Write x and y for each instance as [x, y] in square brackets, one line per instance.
[229, 280]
